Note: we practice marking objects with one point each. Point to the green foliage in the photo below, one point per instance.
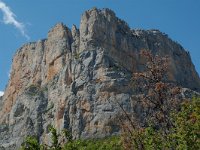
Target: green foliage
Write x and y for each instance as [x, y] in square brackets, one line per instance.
[185, 135]
[67, 135]
[54, 139]
[110, 143]
[150, 139]
[31, 143]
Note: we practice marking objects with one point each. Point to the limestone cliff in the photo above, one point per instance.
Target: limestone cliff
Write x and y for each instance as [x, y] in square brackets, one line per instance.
[73, 78]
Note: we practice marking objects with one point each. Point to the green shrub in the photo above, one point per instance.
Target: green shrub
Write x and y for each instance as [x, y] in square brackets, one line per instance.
[186, 131]
[109, 143]
[31, 143]
[184, 135]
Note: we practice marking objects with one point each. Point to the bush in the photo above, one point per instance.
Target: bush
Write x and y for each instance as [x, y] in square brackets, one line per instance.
[109, 143]
[186, 131]
[31, 143]
[184, 135]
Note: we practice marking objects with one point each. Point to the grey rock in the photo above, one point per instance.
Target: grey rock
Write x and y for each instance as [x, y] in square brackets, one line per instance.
[76, 79]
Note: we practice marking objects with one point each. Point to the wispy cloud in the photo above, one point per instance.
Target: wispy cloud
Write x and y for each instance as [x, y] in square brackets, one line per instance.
[10, 18]
[1, 93]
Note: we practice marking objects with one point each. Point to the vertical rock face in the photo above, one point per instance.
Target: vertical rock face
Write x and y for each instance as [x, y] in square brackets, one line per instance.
[75, 78]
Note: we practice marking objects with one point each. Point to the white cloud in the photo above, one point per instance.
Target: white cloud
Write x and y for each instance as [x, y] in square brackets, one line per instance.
[1, 93]
[10, 18]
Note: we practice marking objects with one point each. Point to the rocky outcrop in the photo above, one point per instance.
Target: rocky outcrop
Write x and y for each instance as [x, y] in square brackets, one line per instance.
[75, 78]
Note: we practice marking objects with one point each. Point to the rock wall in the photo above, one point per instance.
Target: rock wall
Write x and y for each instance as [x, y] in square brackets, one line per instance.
[75, 78]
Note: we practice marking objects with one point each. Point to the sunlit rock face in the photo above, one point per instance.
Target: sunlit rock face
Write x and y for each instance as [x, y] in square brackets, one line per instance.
[76, 78]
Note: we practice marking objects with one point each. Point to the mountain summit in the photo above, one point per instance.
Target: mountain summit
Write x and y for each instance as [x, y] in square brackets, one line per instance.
[73, 78]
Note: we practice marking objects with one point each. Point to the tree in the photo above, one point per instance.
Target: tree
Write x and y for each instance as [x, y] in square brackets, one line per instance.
[31, 143]
[156, 97]
[186, 131]
[155, 94]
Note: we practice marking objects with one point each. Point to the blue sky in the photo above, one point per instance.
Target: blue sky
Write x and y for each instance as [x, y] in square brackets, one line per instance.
[180, 19]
